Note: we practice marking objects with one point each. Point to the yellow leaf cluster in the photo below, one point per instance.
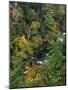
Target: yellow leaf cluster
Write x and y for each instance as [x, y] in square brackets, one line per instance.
[29, 81]
[35, 25]
[32, 71]
[34, 76]
[23, 39]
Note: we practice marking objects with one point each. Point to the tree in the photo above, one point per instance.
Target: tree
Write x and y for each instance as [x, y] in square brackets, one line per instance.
[56, 61]
[37, 34]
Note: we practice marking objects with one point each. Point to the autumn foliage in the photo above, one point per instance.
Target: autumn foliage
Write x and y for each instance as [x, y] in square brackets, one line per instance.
[37, 45]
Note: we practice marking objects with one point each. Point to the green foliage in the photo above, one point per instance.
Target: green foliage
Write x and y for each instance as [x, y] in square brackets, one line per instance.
[56, 61]
[37, 33]
[17, 76]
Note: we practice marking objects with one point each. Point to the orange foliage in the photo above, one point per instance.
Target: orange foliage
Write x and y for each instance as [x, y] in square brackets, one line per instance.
[15, 14]
[32, 71]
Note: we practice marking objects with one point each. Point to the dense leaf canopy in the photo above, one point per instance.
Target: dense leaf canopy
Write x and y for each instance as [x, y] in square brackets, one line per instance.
[37, 44]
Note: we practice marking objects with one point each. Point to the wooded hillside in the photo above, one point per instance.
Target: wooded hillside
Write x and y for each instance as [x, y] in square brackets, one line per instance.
[37, 44]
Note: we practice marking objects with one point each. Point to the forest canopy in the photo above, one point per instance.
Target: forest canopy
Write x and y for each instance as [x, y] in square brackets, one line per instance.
[37, 44]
